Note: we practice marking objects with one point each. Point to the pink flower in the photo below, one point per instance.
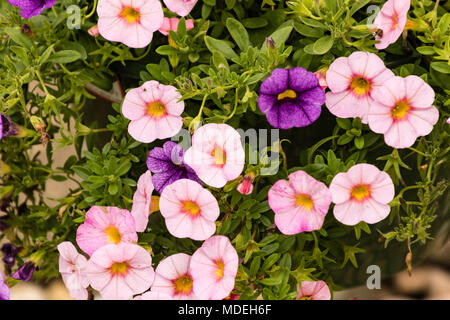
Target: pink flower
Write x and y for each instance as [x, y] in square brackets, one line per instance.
[171, 24]
[142, 199]
[391, 20]
[321, 75]
[300, 204]
[120, 271]
[94, 31]
[189, 210]
[71, 267]
[246, 186]
[173, 278]
[362, 194]
[213, 268]
[403, 111]
[105, 225]
[180, 7]
[154, 111]
[313, 290]
[216, 155]
[150, 295]
[131, 22]
[352, 81]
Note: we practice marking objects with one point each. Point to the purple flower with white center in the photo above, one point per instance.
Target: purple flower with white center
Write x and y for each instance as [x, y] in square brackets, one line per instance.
[291, 98]
[4, 289]
[10, 252]
[168, 166]
[31, 8]
[25, 271]
[7, 127]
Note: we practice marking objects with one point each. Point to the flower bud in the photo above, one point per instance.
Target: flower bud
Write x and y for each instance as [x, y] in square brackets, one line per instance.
[246, 186]
[25, 271]
[10, 252]
[94, 31]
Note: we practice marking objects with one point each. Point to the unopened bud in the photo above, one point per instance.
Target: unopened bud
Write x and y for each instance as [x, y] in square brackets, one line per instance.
[94, 31]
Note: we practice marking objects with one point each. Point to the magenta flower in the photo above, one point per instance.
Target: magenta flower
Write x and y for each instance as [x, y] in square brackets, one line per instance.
[313, 290]
[180, 7]
[246, 186]
[4, 289]
[291, 98]
[391, 20]
[31, 8]
[72, 267]
[142, 199]
[25, 271]
[168, 166]
[300, 204]
[403, 111]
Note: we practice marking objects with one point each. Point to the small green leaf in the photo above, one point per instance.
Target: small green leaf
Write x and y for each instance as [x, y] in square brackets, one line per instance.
[64, 56]
[221, 46]
[323, 45]
[238, 33]
[441, 67]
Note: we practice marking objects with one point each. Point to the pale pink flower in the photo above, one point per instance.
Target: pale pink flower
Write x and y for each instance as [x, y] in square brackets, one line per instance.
[352, 81]
[213, 268]
[300, 204]
[120, 271]
[362, 194]
[131, 22]
[403, 111]
[173, 278]
[72, 266]
[142, 199]
[391, 20]
[105, 225]
[180, 7]
[154, 111]
[313, 290]
[216, 155]
[189, 210]
[171, 24]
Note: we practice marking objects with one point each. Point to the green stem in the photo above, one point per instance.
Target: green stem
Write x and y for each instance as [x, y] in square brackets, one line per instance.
[93, 10]
[38, 74]
[236, 100]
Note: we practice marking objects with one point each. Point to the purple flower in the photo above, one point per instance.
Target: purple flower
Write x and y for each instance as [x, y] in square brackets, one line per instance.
[10, 252]
[7, 127]
[291, 98]
[31, 8]
[4, 289]
[168, 166]
[25, 271]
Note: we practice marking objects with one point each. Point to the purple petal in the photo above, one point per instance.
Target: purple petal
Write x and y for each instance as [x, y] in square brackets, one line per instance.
[174, 151]
[4, 290]
[158, 161]
[266, 102]
[49, 3]
[301, 80]
[288, 114]
[276, 83]
[162, 180]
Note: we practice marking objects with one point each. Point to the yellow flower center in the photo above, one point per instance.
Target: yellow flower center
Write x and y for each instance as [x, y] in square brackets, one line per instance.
[183, 285]
[360, 86]
[400, 110]
[304, 201]
[360, 192]
[191, 207]
[119, 268]
[220, 267]
[156, 109]
[395, 22]
[219, 156]
[290, 94]
[130, 14]
[113, 234]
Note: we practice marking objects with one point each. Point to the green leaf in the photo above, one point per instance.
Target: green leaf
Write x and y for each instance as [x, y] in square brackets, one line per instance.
[359, 142]
[221, 46]
[441, 67]
[65, 56]
[279, 37]
[323, 45]
[238, 33]
[255, 23]
[18, 37]
[426, 50]
[165, 50]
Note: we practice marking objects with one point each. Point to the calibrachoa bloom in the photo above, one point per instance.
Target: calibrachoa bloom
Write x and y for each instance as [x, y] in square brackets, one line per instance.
[168, 165]
[31, 8]
[313, 290]
[7, 127]
[391, 20]
[213, 268]
[154, 111]
[129, 22]
[171, 24]
[246, 186]
[25, 271]
[71, 267]
[172, 277]
[120, 271]
[321, 75]
[142, 199]
[180, 7]
[10, 252]
[300, 204]
[216, 155]
[291, 98]
[362, 194]
[105, 225]
[189, 210]
[352, 81]
[403, 111]
[4, 289]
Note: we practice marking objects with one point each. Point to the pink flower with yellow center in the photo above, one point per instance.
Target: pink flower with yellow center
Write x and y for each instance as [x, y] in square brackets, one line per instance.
[171, 24]
[362, 194]
[300, 204]
[391, 20]
[180, 7]
[352, 81]
[313, 290]
[131, 22]
[189, 210]
[72, 266]
[213, 268]
[120, 271]
[173, 278]
[142, 199]
[105, 225]
[216, 155]
[403, 111]
[154, 111]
